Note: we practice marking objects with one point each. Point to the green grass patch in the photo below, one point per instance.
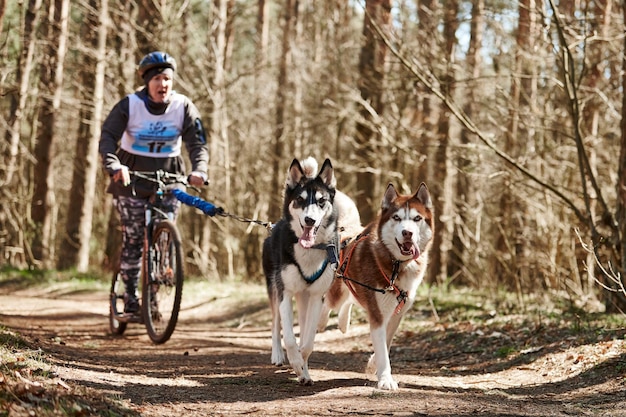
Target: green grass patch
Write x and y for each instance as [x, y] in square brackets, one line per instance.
[20, 279]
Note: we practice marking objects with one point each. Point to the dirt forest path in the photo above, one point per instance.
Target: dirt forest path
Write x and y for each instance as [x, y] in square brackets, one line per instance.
[218, 364]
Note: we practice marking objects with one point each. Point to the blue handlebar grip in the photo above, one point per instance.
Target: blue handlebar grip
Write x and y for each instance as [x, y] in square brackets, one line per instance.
[197, 202]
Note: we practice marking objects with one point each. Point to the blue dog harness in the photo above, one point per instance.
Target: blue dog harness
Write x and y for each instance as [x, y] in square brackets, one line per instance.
[331, 258]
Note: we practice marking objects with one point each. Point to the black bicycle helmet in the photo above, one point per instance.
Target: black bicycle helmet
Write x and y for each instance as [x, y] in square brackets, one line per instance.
[156, 59]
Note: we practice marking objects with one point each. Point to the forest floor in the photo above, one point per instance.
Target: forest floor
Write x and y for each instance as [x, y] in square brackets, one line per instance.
[458, 353]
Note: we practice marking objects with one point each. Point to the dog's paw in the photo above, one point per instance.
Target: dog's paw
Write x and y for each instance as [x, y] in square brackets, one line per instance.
[305, 381]
[278, 357]
[386, 382]
[301, 369]
[298, 368]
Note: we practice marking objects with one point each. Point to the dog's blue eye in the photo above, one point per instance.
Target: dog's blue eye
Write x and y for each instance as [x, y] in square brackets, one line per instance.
[396, 218]
[417, 218]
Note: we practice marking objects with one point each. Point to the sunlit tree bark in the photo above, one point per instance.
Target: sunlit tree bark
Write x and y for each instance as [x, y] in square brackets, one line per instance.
[18, 104]
[219, 144]
[371, 87]
[593, 108]
[279, 147]
[43, 205]
[3, 8]
[425, 115]
[441, 197]
[616, 299]
[510, 263]
[463, 185]
[13, 221]
[74, 251]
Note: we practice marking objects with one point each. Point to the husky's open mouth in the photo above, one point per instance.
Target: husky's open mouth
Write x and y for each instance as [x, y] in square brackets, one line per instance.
[409, 248]
[307, 239]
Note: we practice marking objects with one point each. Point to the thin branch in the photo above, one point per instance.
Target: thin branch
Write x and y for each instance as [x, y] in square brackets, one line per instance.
[425, 78]
[610, 274]
[571, 87]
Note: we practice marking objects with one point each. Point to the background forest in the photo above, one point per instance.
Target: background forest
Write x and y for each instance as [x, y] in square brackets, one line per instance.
[511, 112]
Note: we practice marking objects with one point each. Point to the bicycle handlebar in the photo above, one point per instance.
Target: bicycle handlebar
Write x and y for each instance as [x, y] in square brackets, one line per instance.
[164, 178]
[160, 177]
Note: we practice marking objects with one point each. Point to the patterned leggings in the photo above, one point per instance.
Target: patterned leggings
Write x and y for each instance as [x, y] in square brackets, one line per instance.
[132, 217]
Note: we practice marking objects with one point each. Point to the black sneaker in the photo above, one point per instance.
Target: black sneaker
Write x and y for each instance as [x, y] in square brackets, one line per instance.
[131, 304]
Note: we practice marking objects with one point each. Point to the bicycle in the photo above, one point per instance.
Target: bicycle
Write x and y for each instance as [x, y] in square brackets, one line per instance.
[161, 277]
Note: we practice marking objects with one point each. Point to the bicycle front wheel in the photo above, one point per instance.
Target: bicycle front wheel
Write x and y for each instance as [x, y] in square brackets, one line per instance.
[161, 296]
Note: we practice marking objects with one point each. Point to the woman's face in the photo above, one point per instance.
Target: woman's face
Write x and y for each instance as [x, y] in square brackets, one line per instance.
[160, 87]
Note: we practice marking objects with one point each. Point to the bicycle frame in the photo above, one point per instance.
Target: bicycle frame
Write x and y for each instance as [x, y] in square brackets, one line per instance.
[162, 179]
[162, 268]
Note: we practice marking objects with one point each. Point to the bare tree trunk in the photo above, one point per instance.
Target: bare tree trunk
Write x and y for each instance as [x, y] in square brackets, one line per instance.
[263, 31]
[299, 66]
[425, 116]
[616, 300]
[124, 45]
[510, 262]
[3, 9]
[229, 34]
[282, 94]
[14, 211]
[463, 185]
[255, 235]
[591, 118]
[75, 246]
[439, 190]
[18, 104]
[43, 205]
[371, 86]
[220, 152]
[149, 27]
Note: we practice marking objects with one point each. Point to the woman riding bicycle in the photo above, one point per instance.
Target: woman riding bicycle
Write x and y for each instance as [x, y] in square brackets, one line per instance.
[144, 132]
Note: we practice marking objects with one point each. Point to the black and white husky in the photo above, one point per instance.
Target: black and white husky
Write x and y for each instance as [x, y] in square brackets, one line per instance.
[299, 258]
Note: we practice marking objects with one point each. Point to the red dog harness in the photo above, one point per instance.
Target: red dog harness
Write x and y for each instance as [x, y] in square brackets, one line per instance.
[346, 257]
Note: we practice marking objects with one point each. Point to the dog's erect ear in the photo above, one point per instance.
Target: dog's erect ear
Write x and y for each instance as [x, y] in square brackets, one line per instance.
[390, 196]
[327, 174]
[423, 196]
[294, 174]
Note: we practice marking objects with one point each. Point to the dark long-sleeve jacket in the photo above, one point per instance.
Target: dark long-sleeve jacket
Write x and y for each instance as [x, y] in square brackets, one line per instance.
[116, 124]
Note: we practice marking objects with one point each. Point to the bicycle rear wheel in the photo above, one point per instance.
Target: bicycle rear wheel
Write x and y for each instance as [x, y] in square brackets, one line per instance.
[116, 304]
[161, 296]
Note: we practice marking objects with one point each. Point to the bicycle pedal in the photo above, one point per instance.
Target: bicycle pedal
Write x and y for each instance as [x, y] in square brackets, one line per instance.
[136, 318]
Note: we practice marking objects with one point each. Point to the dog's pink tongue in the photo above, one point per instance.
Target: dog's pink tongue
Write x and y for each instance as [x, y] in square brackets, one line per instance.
[412, 249]
[416, 253]
[307, 240]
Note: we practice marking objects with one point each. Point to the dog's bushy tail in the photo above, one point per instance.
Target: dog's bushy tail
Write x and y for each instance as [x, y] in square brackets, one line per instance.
[309, 166]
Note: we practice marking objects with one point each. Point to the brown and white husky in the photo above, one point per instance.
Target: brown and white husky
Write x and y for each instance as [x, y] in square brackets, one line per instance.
[381, 269]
